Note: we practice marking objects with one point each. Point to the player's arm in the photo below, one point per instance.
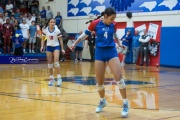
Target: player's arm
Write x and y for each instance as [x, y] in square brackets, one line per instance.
[61, 41]
[116, 39]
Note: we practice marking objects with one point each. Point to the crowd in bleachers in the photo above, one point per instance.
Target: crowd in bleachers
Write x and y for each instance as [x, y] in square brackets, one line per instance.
[30, 22]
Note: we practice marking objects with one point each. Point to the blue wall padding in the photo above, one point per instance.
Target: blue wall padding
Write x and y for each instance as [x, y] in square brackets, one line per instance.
[170, 46]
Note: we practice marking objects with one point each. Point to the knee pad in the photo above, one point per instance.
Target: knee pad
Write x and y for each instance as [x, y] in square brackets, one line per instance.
[56, 64]
[121, 84]
[50, 65]
[100, 87]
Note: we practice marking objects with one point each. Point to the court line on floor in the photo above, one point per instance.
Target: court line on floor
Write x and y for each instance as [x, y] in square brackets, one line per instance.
[76, 103]
[47, 85]
[168, 117]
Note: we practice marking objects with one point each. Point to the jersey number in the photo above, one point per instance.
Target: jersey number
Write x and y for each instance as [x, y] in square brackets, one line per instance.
[105, 35]
[51, 37]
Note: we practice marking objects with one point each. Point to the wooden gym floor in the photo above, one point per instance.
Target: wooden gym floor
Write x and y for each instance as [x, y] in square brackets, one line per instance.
[153, 93]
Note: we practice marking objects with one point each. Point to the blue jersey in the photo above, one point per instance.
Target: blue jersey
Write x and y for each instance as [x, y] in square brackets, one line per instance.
[58, 20]
[136, 42]
[18, 41]
[43, 14]
[126, 40]
[80, 44]
[32, 31]
[104, 33]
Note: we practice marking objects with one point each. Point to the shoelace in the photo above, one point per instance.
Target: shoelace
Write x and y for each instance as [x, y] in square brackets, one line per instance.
[100, 104]
[125, 107]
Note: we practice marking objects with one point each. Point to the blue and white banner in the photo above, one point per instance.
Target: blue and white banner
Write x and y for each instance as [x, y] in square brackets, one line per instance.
[20, 60]
[86, 7]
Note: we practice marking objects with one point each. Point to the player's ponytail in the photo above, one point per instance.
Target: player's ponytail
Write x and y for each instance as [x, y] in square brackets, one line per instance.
[108, 11]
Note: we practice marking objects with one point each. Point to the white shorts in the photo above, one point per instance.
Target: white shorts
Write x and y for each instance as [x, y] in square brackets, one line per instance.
[32, 40]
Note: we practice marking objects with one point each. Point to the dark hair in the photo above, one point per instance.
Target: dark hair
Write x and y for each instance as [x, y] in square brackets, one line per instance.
[47, 22]
[108, 11]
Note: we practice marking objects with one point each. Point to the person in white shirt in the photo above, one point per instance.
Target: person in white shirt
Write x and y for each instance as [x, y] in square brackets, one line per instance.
[9, 7]
[25, 31]
[29, 20]
[53, 48]
[144, 40]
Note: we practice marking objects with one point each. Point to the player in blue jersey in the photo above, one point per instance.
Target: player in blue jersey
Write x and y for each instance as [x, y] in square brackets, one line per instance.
[106, 52]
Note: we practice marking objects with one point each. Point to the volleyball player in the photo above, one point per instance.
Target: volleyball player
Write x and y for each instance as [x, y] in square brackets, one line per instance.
[53, 48]
[106, 52]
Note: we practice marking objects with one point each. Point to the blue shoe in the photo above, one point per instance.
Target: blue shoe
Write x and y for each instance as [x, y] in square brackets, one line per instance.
[101, 105]
[59, 82]
[51, 82]
[125, 110]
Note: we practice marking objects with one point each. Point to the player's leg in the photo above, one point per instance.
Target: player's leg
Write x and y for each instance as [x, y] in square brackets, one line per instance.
[80, 53]
[49, 54]
[99, 71]
[33, 41]
[30, 41]
[57, 65]
[115, 67]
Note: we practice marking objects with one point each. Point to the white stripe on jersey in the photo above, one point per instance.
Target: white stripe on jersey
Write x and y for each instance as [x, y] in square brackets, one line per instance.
[52, 37]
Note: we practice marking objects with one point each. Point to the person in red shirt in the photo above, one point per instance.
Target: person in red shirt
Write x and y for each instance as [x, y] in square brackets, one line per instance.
[7, 34]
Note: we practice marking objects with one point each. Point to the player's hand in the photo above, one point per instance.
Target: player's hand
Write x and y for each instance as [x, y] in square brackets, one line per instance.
[41, 49]
[72, 47]
[63, 51]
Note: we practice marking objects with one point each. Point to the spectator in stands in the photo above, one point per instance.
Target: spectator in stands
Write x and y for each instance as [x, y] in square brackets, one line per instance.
[58, 19]
[1, 18]
[144, 39]
[1, 10]
[17, 14]
[1, 28]
[25, 16]
[38, 37]
[49, 13]
[20, 19]
[35, 7]
[25, 32]
[33, 17]
[32, 39]
[135, 46]
[9, 7]
[12, 19]
[1, 23]
[29, 20]
[43, 16]
[16, 27]
[7, 35]
[79, 48]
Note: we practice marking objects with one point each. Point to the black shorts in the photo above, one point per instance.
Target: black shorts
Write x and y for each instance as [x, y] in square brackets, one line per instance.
[79, 48]
[18, 51]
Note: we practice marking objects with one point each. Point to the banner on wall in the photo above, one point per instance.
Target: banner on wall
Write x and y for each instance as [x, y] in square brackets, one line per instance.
[95, 7]
[152, 31]
[21, 60]
[120, 33]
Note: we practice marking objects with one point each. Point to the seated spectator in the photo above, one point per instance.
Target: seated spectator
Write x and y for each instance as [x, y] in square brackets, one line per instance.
[33, 17]
[20, 19]
[17, 14]
[1, 10]
[9, 7]
[1, 18]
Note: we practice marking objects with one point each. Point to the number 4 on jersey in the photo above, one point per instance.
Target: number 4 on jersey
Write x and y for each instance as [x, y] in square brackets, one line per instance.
[106, 35]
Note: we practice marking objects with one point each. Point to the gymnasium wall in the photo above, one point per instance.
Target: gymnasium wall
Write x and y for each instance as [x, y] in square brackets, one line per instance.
[170, 37]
